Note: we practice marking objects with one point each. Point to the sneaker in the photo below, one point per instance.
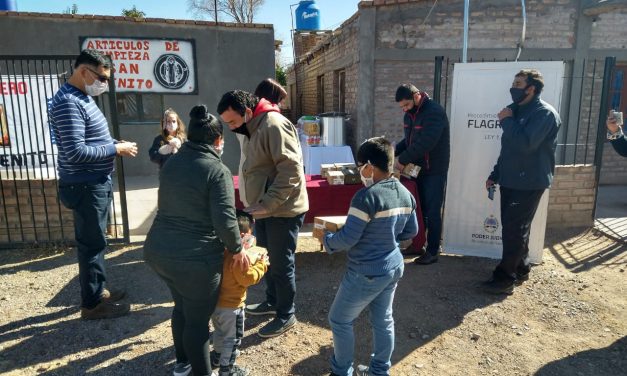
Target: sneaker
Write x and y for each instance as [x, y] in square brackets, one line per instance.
[214, 357]
[182, 369]
[498, 286]
[112, 295]
[426, 259]
[260, 309]
[277, 327]
[105, 310]
[234, 370]
[362, 370]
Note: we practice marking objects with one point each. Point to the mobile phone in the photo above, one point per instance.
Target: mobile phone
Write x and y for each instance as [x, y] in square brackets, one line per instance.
[491, 190]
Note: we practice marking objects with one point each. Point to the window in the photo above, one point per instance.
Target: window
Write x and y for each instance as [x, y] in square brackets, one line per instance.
[320, 94]
[140, 108]
[341, 91]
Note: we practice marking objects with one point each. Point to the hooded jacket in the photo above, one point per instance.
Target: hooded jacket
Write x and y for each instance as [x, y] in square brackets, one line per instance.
[272, 173]
[427, 138]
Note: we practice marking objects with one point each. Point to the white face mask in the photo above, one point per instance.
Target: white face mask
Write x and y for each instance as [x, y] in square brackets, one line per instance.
[171, 126]
[366, 181]
[96, 88]
[219, 148]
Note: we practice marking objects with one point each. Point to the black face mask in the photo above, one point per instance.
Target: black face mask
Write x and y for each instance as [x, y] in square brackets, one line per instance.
[518, 95]
[242, 130]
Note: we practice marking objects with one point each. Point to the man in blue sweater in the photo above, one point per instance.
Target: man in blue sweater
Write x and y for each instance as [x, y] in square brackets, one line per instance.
[380, 216]
[85, 162]
[524, 170]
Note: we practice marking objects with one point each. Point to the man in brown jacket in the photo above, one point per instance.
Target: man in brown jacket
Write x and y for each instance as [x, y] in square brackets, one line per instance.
[272, 187]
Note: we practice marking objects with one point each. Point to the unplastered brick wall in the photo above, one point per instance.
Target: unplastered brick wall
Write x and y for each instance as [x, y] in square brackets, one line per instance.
[608, 30]
[571, 198]
[338, 51]
[30, 212]
[388, 76]
[493, 24]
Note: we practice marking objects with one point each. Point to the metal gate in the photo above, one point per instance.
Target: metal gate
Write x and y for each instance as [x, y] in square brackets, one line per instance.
[30, 211]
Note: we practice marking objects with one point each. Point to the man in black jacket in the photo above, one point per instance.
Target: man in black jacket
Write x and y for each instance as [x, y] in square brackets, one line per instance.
[426, 144]
[524, 170]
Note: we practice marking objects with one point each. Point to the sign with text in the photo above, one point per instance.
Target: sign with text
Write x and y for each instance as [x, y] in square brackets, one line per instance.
[472, 222]
[149, 65]
[26, 146]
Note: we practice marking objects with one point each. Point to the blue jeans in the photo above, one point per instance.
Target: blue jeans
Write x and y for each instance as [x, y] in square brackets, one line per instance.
[279, 235]
[90, 204]
[357, 292]
[431, 193]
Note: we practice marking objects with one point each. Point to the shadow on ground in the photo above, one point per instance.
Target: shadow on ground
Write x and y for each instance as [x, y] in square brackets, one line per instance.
[611, 360]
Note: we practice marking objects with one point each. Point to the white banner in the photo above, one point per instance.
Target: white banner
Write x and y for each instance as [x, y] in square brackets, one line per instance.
[149, 65]
[26, 146]
[472, 222]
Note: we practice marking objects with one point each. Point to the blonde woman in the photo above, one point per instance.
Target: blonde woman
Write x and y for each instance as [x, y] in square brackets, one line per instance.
[170, 138]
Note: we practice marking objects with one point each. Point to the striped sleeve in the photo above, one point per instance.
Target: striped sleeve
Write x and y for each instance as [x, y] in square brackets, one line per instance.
[69, 119]
[356, 221]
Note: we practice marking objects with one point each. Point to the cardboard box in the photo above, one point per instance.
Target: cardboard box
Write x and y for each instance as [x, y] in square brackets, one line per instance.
[340, 166]
[351, 175]
[326, 167]
[335, 177]
[333, 224]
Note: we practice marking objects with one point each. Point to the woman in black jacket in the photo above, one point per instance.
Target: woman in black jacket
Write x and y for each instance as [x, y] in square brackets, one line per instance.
[169, 141]
[195, 222]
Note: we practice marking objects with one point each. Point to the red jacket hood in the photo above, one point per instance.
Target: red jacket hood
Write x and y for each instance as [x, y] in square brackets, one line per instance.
[265, 106]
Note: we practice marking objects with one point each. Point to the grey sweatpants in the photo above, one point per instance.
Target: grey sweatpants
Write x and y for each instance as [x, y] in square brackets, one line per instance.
[228, 324]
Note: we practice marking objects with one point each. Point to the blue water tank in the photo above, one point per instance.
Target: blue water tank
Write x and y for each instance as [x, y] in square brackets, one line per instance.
[307, 16]
[8, 5]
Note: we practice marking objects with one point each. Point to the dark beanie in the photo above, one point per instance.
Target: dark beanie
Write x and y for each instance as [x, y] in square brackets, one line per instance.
[203, 127]
[378, 151]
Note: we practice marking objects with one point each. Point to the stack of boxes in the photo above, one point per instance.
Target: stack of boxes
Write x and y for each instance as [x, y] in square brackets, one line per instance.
[340, 173]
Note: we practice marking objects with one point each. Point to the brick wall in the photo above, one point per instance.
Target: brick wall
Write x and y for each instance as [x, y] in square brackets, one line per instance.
[571, 198]
[337, 51]
[608, 30]
[492, 24]
[305, 41]
[30, 212]
[388, 76]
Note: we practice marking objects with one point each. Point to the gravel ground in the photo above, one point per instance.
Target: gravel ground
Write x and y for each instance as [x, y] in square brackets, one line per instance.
[569, 319]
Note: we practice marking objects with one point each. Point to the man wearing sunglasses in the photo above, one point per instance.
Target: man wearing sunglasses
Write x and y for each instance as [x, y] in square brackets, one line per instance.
[84, 163]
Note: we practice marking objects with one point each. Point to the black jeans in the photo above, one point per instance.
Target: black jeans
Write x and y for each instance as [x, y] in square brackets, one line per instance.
[195, 288]
[279, 235]
[89, 203]
[517, 210]
[431, 193]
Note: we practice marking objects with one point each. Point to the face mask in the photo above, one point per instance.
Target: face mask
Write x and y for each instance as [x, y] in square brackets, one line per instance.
[219, 149]
[242, 128]
[518, 95]
[171, 127]
[366, 181]
[96, 88]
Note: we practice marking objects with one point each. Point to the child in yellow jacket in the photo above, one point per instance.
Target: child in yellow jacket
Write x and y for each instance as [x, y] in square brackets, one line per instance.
[228, 317]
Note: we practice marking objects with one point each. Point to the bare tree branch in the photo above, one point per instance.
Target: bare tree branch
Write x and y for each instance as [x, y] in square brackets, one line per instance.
[240, 11]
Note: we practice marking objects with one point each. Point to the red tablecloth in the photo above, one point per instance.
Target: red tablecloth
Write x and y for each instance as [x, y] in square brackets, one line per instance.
[327, 200]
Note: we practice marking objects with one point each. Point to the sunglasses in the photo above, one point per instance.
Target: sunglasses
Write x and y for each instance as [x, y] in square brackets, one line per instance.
[99, 77]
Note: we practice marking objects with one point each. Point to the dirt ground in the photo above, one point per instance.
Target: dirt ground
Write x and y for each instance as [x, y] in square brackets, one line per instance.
[570, 318]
